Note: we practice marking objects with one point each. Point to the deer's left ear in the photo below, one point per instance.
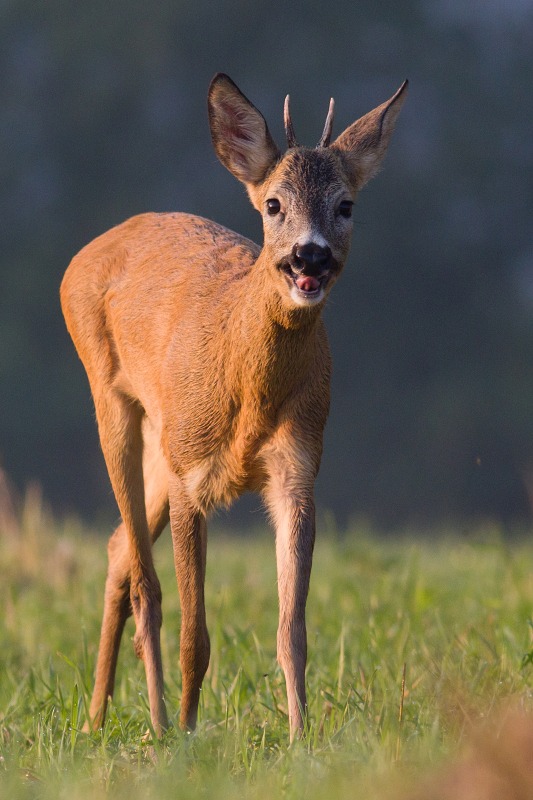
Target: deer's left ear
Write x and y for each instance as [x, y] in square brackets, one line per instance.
[365, 142]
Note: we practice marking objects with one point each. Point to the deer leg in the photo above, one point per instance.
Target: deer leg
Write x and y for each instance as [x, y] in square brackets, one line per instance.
[132, 583]
[189, 538]
[293, 513]
[117, 606]
[116, 610]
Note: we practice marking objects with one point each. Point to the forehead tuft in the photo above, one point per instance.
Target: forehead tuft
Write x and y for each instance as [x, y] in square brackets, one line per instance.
[303, 169]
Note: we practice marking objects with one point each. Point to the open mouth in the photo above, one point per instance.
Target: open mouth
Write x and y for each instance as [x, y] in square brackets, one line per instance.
[306, 287]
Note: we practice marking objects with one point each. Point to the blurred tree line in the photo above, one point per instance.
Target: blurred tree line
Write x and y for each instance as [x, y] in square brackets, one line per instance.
[103, 117]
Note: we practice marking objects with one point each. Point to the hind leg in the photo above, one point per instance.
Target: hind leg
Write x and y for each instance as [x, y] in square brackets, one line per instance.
[119, 594]
[116, 610]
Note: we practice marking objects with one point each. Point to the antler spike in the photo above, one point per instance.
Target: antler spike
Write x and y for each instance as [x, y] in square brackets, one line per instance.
[289, 130]
[328, 127]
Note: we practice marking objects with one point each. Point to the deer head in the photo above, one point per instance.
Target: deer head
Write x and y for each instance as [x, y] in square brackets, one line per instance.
[306, 195]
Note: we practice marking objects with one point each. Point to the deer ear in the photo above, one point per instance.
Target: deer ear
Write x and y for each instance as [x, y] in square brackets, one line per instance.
[365, 142]
[239, 132]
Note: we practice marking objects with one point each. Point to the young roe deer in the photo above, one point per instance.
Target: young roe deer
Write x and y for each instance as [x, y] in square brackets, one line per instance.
[210, 369]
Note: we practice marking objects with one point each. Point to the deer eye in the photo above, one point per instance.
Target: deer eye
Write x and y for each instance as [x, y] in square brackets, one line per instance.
[273, 207]
[345, 209]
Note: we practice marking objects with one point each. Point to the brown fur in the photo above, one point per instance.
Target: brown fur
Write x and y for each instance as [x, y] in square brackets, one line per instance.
[209, 379]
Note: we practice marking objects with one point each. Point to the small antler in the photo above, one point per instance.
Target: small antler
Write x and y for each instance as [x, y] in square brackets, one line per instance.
[289, 130]
[326, 135]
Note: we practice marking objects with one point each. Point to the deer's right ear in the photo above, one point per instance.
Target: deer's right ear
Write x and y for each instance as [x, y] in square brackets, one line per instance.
[239, 132]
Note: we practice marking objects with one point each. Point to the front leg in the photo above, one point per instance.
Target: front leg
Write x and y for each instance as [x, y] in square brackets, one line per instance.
[289, 497]
[189, 538]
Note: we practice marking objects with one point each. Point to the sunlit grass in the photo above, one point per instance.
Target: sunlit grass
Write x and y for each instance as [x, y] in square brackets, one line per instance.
[453, 612]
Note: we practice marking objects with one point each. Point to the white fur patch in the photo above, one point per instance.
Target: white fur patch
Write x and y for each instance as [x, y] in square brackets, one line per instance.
[300, 300]
[312, 237]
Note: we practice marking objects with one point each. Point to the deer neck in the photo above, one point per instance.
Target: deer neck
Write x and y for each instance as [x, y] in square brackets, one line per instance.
[261, 297]
[273, 345]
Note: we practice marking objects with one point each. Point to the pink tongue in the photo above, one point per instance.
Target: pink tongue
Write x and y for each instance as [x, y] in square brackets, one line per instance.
[307, 283]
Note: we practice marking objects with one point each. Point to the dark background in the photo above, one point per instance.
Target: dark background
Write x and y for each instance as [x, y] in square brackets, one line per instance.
[104, 116]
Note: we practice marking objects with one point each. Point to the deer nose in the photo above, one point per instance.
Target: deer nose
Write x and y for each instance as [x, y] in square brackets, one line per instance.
[311, 258]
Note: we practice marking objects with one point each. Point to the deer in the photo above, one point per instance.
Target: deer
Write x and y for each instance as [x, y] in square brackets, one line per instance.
[209, 367]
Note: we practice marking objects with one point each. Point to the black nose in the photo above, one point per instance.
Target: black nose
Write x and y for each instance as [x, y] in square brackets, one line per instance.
[311, 259]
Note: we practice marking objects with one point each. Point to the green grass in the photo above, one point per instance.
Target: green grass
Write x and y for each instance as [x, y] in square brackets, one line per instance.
[453, 611]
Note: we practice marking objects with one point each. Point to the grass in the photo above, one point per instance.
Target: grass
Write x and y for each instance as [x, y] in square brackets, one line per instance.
[410, 642]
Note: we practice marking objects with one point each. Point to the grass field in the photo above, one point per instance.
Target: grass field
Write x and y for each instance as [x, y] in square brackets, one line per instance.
[451, 613]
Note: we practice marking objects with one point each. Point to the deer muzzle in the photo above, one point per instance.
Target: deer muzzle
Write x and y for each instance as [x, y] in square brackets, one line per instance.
[308, 270]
